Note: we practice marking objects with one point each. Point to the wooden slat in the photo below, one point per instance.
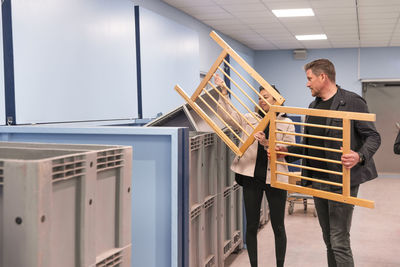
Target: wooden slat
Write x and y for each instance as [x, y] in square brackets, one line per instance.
[346, 150]
[309, 157]
[272, 144]
[210, 122]
[209, 74]
[312, 125]
[232, 106]
[243, 104]
[308, 168]
[227, 113]
[310, 146]
[248, 84]
[243, 92]
[219, 117]
[309, 179]
[279, 99]
[260, 127]
[312, 136]
[326, 113]
[326, 195]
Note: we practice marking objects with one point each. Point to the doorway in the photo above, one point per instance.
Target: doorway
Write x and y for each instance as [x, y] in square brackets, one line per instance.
[383, 99]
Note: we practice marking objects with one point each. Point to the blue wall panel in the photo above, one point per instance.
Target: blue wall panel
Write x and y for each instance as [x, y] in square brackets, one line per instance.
[2, 96]
[159, 183]
[380, 63]
[170, 56]
[74, 60]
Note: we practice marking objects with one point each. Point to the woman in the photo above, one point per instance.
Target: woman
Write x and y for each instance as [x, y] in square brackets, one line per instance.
[252, 172]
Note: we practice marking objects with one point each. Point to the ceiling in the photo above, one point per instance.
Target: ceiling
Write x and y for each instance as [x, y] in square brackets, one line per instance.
[347, 23]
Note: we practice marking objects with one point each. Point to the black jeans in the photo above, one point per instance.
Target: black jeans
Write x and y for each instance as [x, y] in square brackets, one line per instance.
[252, 194]
[335, 221]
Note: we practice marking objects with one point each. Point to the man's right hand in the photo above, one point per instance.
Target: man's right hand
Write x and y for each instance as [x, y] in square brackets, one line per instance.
[278, 149]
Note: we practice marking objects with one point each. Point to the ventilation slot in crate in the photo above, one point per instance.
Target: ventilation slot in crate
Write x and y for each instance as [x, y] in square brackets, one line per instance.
[210, 261]
[209, 139]
[236, 237]
[68, 167]
[195, 212]
[109, 159]
[113, 260]
[228, 246]
[236, 187]
[195, 143]
[209, 203]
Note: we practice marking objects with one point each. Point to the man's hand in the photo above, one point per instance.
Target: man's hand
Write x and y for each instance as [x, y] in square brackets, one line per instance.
[278, 148]
[351, 159]
[220, 82]
[260, 137]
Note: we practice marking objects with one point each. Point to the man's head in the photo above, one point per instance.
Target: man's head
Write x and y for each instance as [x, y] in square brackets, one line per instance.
[321, 76]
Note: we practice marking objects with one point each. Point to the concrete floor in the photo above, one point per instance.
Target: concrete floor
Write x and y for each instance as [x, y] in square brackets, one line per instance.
[375, 233]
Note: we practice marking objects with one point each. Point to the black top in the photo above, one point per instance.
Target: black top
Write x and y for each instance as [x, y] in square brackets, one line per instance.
[260, 170]
[316, 141]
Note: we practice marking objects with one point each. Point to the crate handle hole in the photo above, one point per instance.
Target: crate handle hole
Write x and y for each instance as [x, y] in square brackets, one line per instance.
[18, 220]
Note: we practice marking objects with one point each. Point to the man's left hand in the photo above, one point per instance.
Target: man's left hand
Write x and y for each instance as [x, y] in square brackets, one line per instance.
[351, 159]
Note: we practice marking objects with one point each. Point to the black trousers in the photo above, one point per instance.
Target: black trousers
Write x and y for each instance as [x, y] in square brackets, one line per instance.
[335, 221]
[252, 194]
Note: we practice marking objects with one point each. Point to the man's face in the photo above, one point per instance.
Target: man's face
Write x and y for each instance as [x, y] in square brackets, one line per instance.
[314, 83]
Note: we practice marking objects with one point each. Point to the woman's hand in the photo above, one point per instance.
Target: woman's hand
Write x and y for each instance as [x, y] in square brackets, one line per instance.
[260, 137]
[220, 83]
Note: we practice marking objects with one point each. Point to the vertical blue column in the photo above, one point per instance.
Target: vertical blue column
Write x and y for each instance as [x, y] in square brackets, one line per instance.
[8, 55]
[227, 71]
[138, 63]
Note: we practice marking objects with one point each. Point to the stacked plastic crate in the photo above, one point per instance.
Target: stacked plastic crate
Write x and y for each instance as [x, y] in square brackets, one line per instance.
[65, 205]
[203, 201]
[215, 200]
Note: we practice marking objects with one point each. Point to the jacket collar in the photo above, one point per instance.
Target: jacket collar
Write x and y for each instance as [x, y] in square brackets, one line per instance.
[338, 100]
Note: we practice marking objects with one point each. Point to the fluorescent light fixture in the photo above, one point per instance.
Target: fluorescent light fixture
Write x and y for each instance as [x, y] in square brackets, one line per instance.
[311, 37]
[299, 12]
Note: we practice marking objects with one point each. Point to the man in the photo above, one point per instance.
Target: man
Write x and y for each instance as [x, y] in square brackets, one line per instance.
[334, 217]
[396, 146]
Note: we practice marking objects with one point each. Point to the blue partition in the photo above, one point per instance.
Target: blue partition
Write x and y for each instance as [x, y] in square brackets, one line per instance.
[159, 183]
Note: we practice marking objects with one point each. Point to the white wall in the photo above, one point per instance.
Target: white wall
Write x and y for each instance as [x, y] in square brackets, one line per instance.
[169, 56]
[208, 49]
[279, 68]
[74, 60]
[2, 102]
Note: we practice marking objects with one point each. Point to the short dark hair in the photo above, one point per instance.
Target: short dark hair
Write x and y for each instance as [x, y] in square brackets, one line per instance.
[322, 65]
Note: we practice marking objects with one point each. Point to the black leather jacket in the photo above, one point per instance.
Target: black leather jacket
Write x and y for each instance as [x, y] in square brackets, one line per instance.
[396, 147]
[364, 139]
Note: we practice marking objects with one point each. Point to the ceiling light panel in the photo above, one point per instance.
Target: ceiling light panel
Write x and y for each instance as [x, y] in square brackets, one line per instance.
[299, 12]
[310, 37]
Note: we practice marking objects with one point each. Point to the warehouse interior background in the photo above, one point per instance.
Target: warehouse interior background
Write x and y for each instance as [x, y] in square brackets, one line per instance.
[71, 65]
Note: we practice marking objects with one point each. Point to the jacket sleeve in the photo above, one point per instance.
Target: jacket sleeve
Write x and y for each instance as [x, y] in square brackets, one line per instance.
[396, 147]
[367, 131]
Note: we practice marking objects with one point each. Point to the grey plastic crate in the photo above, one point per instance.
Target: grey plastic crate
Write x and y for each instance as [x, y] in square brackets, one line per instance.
[210, 166]
[237, 222]
[65, 207]
[195, 235]
[210, 247]
[196, 170]
[226, 237]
